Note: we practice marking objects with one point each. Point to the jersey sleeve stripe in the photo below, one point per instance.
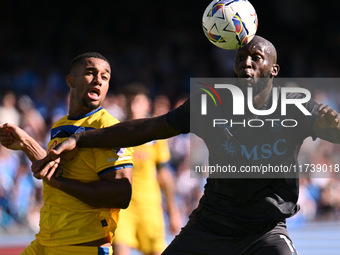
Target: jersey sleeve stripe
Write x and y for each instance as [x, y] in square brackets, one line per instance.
[67, 130]
[114, 168]
[104, 250]
[165, 164]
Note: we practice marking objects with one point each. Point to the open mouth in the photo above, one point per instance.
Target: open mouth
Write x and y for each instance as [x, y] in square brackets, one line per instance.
[94, 94]
[245, 80]
[246, 76]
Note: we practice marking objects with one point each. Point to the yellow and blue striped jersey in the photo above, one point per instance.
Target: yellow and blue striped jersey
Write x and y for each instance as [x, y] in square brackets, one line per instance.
[65, 220]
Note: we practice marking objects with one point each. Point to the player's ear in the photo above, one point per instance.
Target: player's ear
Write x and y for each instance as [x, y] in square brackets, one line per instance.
[69, 80]
[275, 70]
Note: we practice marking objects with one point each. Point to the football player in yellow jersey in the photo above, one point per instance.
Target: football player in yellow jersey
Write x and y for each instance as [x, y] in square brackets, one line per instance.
[81, 207]
[141, 225]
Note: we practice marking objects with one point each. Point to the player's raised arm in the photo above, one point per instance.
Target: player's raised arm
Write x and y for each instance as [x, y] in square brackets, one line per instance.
[327, 124]
[124, 134]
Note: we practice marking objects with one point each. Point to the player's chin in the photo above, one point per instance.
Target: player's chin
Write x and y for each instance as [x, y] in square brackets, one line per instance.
[93, 105]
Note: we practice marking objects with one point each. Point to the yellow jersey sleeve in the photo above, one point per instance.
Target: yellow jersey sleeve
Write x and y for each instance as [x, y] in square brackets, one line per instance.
[162, 152]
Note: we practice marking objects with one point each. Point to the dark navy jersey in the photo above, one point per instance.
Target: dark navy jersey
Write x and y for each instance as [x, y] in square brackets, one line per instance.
[248, 203]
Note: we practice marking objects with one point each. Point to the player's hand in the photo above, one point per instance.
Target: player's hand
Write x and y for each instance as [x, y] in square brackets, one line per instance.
[327, 117]
[12, 137]
[59, 155]
[45, 168]
[54, 179]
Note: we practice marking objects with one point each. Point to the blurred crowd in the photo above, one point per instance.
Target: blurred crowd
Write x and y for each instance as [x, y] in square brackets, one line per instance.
[162, 47]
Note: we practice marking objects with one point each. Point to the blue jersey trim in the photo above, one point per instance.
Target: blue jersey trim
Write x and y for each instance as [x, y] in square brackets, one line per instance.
[67, 131]
[103, 250]
[84, 115]
[165, 164]
[114, 168]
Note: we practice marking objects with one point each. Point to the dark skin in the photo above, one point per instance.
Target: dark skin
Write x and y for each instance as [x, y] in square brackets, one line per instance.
[254, 63]
[255, 66]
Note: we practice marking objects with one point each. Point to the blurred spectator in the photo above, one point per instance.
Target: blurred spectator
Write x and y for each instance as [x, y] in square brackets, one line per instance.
[329, 204]
[32, 121]
[8, 109]
[161, 105]
[115, 104]
[9, 165]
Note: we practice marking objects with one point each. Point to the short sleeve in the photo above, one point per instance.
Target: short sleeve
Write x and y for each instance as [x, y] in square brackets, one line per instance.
[112, 159]
[162, 152]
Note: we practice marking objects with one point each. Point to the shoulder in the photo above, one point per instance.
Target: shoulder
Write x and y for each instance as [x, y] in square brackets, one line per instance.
[62, 121]
[104, 118]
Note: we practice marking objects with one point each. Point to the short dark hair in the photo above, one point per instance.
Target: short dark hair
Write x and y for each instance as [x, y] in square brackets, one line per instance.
[78, 59]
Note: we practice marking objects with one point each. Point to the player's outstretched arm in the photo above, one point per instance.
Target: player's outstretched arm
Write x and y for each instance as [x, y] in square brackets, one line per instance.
[127, 134]
[124, 134]
[14, 138]
[327, 124]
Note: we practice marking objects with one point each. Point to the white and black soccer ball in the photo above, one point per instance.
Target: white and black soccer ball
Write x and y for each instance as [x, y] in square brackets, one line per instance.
[229, 24]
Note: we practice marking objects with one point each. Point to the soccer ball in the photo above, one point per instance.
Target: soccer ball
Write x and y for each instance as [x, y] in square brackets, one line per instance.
[229, 24]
